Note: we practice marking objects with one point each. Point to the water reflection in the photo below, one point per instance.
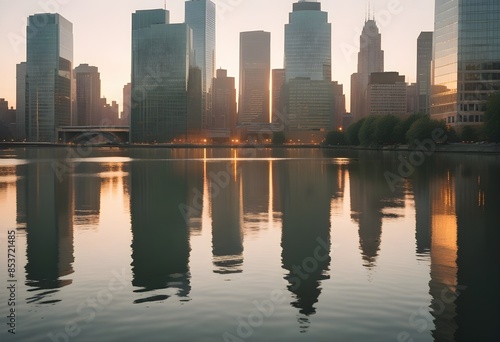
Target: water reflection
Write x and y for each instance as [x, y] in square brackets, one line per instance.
[160, 244]
[456, 229]
[371, 198]
[225, 189]
[477, 204]
[87, 194]
[49, 223]
[305, 197]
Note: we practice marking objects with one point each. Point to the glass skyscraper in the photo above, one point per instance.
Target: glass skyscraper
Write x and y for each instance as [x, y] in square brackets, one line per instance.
[466, 59]
[48, 81]
[200, 16]
[255, 76]
[308, 94]
[308, 43]
[424, 62]
[161, 61]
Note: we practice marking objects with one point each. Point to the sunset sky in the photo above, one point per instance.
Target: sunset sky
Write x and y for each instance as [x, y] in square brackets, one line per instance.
[102, 34]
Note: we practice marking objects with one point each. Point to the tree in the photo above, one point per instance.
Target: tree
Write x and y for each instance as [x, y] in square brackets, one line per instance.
[335, 138]
[469, 133]
[423, 129]
[384, 128]
[278, 138]
[492, 118]
[352, 133]
[367, 131]
[399, 133]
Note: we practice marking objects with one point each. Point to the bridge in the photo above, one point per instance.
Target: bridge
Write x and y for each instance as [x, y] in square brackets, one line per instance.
[83, 134]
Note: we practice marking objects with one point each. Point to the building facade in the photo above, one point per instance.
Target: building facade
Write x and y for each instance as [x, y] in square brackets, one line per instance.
[224, 103]
[387, 94]
[200, 15]
[255, 74]
[49, 73]
[161, 61]
[309, 108]
[370, 59]
[21, 101]
[279, 77]
[424, 63]
[466, 58]
[88, 95]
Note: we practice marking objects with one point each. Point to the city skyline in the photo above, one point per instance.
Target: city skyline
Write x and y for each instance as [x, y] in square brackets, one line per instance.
[400, 24]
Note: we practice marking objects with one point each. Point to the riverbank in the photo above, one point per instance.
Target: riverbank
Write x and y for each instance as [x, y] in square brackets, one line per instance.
[444, 148]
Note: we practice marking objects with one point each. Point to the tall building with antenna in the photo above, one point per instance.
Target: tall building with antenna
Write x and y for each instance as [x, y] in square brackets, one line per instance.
[370, 59]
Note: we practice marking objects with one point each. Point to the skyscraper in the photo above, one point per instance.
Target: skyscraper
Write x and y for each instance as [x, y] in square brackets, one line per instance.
[308, 43]
[255, 73]
[370, 59]
[21, 101]
[223, 103]
[424, 62]
[308, 94]
[466, 61]
[88, 95]
[200, 16]
[161, 57]
[48, 82]
[279, 77]
[127, 104]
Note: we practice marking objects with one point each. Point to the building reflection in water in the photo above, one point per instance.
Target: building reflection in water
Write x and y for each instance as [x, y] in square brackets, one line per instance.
[305, 197]
[462, 216]
[49, 223]
[443, 254]
[160, 243]
[225, 189]
[87, 185]
[478, 217]
[371, 198]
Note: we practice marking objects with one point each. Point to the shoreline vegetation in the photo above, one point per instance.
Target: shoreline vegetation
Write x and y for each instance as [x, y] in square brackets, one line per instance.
[490, 148]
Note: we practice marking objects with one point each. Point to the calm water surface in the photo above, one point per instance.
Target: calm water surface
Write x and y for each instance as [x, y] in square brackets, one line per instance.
[250, 245]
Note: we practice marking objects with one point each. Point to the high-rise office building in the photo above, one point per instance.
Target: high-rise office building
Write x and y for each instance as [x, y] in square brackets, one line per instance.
[127, 105]
[279, 77]
[49, 72]
[200, 16]
[338, 105]
[386, 94]
[21, 101]
[255, 73]
[308, 96]
[223, 103]
[308, 43]
[424, 62]
[412, 98]
[161, 62]
[309, 108]
[466, 59]
[370, 59]
[88, 95]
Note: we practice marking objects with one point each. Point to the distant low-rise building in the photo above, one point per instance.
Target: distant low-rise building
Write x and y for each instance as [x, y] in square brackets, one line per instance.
[387, 94]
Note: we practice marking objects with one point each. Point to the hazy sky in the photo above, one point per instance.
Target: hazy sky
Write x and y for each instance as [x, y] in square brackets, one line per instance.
[102, 34]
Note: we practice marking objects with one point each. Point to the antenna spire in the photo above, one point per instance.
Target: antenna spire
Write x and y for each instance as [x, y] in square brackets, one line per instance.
[165, 5]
